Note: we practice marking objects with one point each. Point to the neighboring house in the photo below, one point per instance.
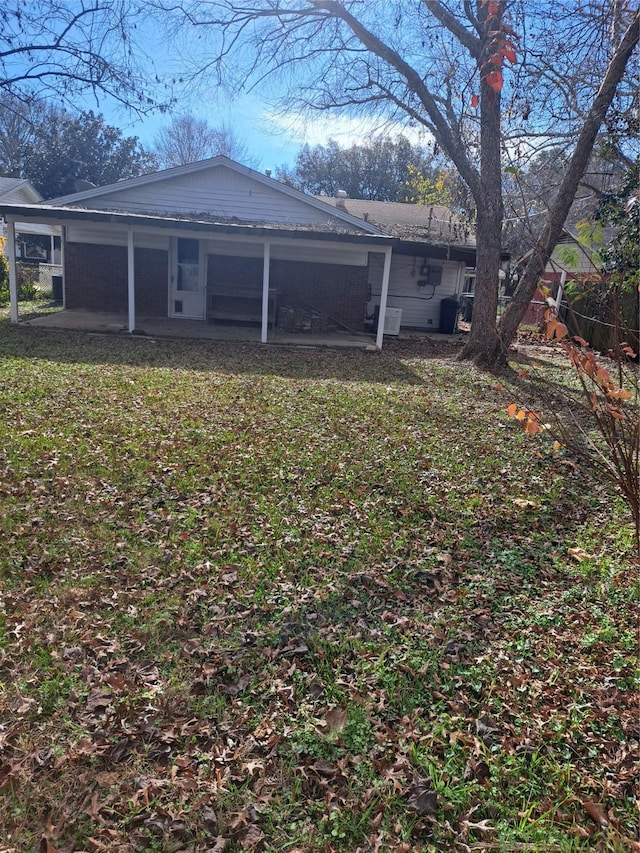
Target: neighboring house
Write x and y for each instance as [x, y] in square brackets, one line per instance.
[218, 241]
[34, 242]
[571, 259]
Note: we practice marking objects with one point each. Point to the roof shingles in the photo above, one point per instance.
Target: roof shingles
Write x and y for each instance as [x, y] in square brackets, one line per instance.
[413, 222]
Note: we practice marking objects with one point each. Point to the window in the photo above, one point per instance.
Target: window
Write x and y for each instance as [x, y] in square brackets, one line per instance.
[188, 265]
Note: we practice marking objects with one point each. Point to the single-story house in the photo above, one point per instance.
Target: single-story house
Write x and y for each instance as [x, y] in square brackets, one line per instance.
[219, 242]
[34, 242]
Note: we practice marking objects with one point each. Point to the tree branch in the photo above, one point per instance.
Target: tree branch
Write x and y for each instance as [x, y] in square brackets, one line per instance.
[443, 132]
[472, 43]
[570, 182]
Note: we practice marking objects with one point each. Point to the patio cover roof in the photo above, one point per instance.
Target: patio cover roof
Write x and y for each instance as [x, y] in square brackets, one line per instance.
[192, 222]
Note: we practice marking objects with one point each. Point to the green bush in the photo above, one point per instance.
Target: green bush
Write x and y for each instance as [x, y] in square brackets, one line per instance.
[4, 275]
[27, 282]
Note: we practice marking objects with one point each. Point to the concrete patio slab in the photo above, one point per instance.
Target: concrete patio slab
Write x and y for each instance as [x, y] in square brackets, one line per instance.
[167, 327]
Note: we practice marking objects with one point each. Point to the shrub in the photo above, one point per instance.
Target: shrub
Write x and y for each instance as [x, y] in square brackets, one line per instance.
[27, 282]
[611, 448]
[4, 269]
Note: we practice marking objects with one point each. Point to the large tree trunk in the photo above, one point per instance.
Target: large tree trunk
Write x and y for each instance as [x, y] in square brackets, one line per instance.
[483, 338]
[512, 317]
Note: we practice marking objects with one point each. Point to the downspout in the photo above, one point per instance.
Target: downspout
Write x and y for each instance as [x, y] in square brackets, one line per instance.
[266, 264]
[383, 296]
[131, 284]
[460, 280]
[13, 272]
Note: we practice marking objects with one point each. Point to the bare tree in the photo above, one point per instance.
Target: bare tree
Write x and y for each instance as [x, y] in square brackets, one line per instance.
[529, 193]
[19, 119]
[189, 139]
[59, 48]
[444, 66]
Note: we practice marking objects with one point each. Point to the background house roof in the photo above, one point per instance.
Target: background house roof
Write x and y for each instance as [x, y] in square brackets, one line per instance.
[419, 223]
[22, 191]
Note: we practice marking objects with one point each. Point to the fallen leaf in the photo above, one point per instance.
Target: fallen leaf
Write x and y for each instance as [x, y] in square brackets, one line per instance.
[252, 766]
[252, 837]
[209, 821]
[335, 720]
[595, 813]
[523, 503]
[98, 700]
[422, 799]
[325, 768]
[579, 554]
[478, 770]
[486, 728]
[23, 705]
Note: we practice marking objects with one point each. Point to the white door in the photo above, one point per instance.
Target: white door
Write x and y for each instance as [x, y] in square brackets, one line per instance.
[186, 278]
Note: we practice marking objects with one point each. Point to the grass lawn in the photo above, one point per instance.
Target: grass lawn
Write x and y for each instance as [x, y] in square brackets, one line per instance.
[274, 599]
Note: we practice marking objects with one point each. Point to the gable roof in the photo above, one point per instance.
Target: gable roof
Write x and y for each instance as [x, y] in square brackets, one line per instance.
[18, 189]
[129, 196]
[434, 224]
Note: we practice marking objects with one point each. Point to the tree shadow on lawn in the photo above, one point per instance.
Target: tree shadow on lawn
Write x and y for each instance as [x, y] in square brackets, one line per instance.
[552, 389]
[321, 363]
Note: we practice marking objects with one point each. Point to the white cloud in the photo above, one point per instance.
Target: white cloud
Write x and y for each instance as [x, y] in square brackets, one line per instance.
[346, 130]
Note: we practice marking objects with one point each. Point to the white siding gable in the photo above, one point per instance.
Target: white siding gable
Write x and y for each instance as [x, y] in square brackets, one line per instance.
[219, 190]
[18, 192]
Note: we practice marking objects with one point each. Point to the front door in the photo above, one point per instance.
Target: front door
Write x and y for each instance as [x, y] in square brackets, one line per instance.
[186, 279]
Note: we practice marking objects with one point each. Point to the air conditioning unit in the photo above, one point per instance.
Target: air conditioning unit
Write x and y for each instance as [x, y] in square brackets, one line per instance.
[392, 320]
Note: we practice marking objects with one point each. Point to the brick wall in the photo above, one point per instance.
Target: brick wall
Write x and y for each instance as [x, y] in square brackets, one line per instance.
[96, 278]
[152, 282]
[227, 273]
[339, 291]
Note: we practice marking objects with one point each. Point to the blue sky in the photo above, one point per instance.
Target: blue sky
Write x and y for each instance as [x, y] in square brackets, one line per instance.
[165, 50]
[273, 138]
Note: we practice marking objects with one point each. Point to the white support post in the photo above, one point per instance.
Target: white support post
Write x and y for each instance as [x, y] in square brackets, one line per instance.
[131, 284]
[266, 264]
[560, 293]
[13, 271]
[383, 296]
[63, 240]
